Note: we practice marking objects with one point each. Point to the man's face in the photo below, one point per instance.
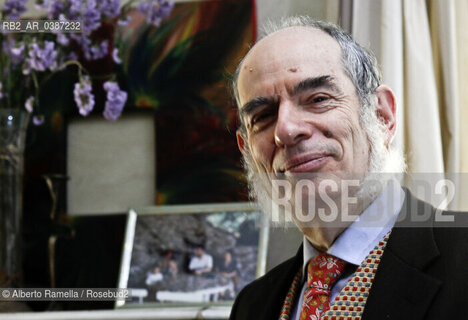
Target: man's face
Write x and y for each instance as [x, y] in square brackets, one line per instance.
[300, 109]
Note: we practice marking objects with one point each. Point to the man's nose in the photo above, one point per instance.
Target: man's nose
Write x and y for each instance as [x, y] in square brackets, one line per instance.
[291, 126]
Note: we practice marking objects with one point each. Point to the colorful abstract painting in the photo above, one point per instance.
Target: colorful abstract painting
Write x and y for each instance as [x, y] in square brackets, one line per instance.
[181, 70]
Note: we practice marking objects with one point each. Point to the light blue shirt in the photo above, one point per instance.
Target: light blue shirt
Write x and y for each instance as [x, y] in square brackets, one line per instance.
[355, 243]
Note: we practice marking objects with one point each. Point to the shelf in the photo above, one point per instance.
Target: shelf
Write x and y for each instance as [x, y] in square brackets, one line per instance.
[194, 313]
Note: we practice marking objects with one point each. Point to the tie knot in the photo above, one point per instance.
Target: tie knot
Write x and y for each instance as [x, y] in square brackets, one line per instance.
[323, 271]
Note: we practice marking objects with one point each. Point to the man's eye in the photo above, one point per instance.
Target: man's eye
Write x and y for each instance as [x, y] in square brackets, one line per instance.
[318, 99]
[261, 117]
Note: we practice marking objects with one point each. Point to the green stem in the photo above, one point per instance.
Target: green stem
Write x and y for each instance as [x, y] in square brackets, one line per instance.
[63, 66]
[9, 86]
[36, 88]
[105, 76]
[2, 62]
[70, 63]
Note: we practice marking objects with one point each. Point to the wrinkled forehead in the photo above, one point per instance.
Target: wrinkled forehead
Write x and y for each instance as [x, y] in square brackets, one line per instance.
[297, 49]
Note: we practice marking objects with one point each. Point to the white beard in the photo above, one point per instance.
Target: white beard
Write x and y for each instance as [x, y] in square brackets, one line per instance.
[383, 164]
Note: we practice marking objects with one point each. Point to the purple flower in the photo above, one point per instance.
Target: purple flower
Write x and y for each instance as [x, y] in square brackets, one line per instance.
[125, 22]
[56, 7]
[91, 17]
[41, 59]
[155, 10]
[110, 8]
[85, 44]
[81, 39]
[145, 7]
[115, 102]
[70, 9]
[14, 8]
[83, 96]
[115, 56]
[38, 119]
[63, 39]
[1, 90]
[96, 51]
[74, 11]
[17, 54]
[29, 104]
[14, 50]
[91, 52]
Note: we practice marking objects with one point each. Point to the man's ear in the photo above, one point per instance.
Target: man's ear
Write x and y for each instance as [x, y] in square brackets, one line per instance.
[386, 111]
[240, 141]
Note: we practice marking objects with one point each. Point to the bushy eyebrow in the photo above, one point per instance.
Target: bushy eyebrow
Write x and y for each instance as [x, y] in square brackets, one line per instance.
[325, 81]
[314, 83]
[253, 105]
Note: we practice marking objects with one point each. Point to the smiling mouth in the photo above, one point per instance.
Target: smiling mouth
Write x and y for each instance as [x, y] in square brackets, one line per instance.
[306, 163]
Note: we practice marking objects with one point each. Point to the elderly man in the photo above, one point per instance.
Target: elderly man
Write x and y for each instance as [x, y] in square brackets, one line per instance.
[315, 123]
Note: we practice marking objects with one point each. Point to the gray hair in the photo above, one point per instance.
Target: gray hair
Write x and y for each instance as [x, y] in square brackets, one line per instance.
[359, 64]
[361, 67]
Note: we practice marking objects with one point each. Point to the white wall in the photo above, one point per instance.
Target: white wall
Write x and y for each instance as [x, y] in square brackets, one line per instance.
[317, 9]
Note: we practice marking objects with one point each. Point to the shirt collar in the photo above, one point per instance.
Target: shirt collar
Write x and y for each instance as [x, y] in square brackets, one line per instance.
[355, 243]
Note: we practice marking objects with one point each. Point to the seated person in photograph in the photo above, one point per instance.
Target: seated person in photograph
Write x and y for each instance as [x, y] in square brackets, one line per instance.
[169, 265]
[173, 269]
[154, 276]
[227, 268]
[201, 262]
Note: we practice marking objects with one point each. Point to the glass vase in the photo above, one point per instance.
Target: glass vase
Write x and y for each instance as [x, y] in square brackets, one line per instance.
[13, 125]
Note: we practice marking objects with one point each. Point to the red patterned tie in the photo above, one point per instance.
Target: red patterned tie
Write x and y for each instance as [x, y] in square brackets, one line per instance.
[322, 273]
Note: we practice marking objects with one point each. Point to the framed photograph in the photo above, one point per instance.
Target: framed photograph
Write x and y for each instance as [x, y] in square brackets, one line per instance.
[191, 255]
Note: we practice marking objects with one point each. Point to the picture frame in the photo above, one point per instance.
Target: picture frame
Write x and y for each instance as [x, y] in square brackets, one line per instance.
[191, 255]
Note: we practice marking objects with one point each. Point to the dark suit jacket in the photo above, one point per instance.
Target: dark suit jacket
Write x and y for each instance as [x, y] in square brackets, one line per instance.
[423, 273]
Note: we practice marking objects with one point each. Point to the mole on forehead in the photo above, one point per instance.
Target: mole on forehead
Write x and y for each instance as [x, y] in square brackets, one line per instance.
[272, 62]
[251, 69]
[269, 56]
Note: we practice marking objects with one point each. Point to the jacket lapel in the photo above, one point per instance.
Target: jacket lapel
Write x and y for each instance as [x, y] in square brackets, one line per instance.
[401, 289]
[279, 286]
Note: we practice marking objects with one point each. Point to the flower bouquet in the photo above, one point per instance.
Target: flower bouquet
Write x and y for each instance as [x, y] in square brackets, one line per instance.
[29, 60]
